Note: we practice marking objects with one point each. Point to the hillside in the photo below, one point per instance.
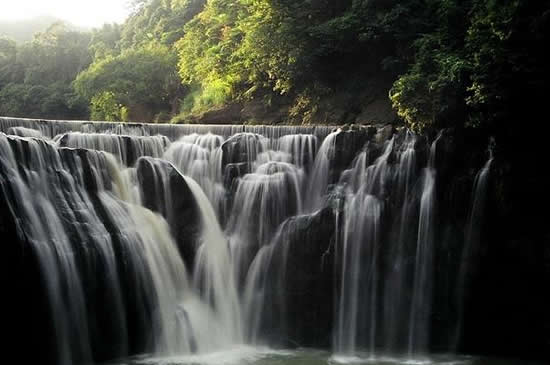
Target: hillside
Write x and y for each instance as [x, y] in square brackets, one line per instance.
[426, 63]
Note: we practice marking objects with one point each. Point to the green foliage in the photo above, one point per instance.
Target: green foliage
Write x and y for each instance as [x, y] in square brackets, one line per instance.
[495, 57]
[105, 41]
[143, 80]
[136, 61]
[208, 58]
[235, 50]
[55, 55]
[56, 101]
[271, 50]
[8, 51]
[104, 106]
[451, 62]
[431, 91]
[307, 104]
[477, 65]
[161, 21]
[35, 77]
[13, 99]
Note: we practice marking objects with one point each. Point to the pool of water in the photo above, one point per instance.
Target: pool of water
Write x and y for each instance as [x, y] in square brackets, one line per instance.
[247, 355]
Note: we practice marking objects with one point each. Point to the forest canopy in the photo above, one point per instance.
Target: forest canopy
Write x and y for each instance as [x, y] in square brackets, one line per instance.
[437, 63]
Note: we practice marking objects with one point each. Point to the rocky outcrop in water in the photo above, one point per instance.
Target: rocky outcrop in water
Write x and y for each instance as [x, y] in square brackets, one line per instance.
[310, 283]
[165, 191]
[239, 153]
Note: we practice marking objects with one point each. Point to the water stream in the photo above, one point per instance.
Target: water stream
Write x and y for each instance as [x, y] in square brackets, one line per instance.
[192, 244]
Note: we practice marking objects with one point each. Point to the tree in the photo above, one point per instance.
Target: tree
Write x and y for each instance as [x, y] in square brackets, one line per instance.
[105, 41]
[207, 53]
[56, 55]
[104, 106]
[35, 77]
[143, 80]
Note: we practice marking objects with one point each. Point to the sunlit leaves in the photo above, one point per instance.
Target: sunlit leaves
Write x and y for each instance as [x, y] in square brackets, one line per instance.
[137, 78]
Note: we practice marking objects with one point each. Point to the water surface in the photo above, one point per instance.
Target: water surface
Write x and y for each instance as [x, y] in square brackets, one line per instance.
[248, 355]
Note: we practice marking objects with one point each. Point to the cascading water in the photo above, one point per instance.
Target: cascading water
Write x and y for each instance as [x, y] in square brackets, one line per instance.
[371, 316]
[398, 281]
[213, 237]
[358, 256]
[302, 148]
[473, 234]
[50, 243]
[143, 245]
[359, 278]
[199, 157]
[422, 289]
[319, 180]
[214, 277]
[124, 148]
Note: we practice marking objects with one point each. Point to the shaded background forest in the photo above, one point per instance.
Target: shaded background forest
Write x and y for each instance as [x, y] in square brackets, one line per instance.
[438, 63]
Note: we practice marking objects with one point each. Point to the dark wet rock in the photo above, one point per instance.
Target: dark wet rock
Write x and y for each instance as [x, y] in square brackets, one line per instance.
[164, 190]
[24, 303]
[232, 171]
[89, 167]
[242, 147]
[346, 146]
[238, 154]
[383, 134]
[304, 256]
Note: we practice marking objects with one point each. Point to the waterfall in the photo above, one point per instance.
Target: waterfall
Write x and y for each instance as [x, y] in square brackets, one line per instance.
[164, 241]
[46, 193]
[358, 256]
[302, 148]
[199, 157]
[213, 276]
[422, 289]
[319, 180]
[359, 279]
[148, 246]
[125, 148]
[99, 200]
[398, 282]
[472, 241]
[258, 298]
[264, 199]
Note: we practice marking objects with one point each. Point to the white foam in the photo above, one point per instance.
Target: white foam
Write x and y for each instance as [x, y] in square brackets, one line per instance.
[385, 359]
[235, 355]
